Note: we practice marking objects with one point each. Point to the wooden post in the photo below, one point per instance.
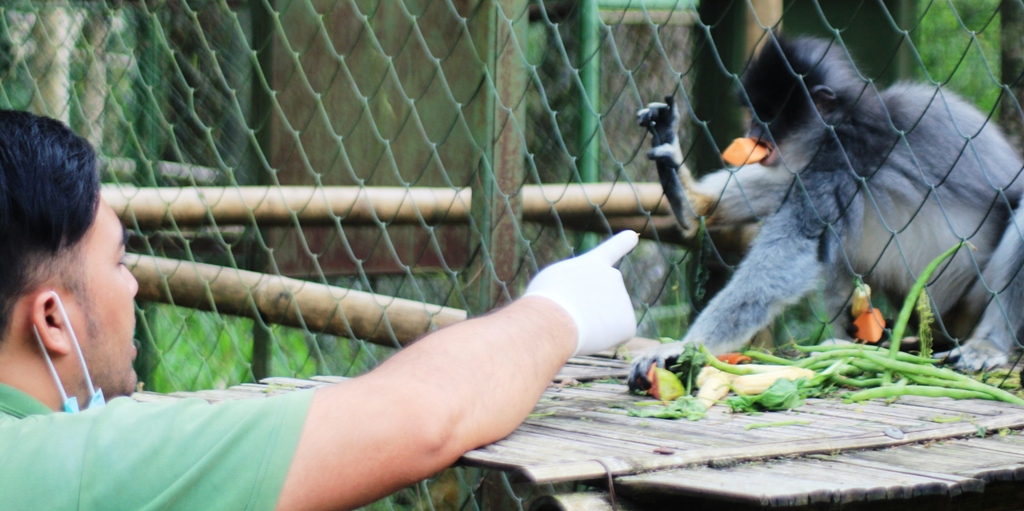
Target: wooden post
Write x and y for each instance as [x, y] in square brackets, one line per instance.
[55, 33]
[308, 305]
[766, 15]
[152, 208]
[147, 132]
[93, 97]
[497, 210]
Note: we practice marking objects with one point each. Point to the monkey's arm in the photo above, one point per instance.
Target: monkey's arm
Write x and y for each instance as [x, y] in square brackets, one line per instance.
[781, 267]
[784, 264]
[728, 199]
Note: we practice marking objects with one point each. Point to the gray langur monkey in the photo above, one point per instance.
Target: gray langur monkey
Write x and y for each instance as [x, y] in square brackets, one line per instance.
[857, 182]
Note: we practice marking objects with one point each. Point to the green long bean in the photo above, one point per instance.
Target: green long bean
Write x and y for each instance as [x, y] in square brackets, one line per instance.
[735, 369]
[907, 357]
[962, 382]
[915, 390]
[856, 382]
[911, 300]
[771, 359]
[855, 352]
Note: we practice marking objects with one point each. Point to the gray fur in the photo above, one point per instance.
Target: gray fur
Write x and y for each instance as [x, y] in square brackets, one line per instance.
[823, 223]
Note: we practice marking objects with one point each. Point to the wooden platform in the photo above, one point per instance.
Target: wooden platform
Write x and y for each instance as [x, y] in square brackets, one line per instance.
[913, 454]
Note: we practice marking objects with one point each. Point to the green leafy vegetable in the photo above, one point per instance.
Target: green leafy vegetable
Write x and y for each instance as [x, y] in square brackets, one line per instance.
[782, 395]
[687, 407]
[688, 365]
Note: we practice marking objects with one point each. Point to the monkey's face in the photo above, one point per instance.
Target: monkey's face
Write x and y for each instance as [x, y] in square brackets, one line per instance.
[787, 95]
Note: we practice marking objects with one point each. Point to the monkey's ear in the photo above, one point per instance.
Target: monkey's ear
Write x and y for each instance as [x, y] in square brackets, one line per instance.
[824, 98]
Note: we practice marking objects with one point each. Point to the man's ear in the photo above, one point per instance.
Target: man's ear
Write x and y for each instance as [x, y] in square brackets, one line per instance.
[49, 323]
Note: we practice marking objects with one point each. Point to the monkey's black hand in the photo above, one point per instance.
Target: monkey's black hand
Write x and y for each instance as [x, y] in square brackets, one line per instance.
[661, 120]
[664, 355]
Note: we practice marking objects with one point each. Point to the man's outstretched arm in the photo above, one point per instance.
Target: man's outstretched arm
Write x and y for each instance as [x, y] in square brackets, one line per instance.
[456, 389]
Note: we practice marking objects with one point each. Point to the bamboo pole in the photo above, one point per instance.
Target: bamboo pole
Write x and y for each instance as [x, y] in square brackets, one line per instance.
[284, 205]
[316, 307]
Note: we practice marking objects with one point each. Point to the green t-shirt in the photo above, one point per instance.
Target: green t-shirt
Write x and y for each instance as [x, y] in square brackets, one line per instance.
[186, 454]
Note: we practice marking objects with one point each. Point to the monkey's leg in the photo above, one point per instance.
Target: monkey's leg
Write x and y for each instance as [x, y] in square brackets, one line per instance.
[996, 335]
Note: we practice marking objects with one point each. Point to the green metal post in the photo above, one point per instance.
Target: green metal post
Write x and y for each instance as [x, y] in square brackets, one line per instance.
[147, 132]
[589, 105]
[254, 258]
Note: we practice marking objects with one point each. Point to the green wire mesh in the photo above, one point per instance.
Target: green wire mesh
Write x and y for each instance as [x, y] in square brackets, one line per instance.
[490, 95]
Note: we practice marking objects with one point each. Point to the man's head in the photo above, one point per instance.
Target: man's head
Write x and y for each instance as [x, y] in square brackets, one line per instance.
[59, 236]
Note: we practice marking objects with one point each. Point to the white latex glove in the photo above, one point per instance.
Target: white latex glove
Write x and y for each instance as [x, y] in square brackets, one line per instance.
[593, 294]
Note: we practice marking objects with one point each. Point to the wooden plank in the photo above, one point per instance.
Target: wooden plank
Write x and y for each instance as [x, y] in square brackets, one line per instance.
[956, 484]
[992, 444]
[948, 469]
[957, 406]
[595, 469]
[589, 373]
[1014, 441]
[581, 433]
[792, 483]
[961, 458]
[621, 428]
[595, 416]
[294, 383]
[216, 396]
[153, 397]
[329, 379]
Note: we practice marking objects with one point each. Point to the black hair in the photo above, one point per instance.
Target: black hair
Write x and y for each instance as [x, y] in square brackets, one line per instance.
[49, 194]
[772, 83]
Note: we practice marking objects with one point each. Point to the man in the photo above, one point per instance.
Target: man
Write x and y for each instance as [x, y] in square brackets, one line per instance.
[336, 448]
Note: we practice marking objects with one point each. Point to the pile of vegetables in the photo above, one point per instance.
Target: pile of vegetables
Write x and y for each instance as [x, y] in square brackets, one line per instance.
[776, 383]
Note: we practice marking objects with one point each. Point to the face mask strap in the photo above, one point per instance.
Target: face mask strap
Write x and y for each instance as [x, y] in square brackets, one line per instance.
[70, 404]
[96, 399]
[78, 348]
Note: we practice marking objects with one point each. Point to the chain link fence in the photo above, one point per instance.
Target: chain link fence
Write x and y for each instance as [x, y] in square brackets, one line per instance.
[438, 152]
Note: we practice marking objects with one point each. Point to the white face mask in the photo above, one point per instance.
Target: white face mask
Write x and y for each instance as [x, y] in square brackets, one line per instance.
[96, 399]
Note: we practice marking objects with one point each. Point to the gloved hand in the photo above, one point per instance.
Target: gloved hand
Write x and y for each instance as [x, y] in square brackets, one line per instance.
[593, 294]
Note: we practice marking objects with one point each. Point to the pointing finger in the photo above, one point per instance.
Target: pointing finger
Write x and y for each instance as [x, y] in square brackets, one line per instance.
[612, 250]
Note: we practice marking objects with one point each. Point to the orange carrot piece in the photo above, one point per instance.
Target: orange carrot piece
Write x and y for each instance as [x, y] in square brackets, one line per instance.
[870, 326]
[652, 376]
[745, 150]
[734, 358]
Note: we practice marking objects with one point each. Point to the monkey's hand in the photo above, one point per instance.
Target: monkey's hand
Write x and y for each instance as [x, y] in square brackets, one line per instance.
[977, 355]
[664, 355]
[662, 121]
